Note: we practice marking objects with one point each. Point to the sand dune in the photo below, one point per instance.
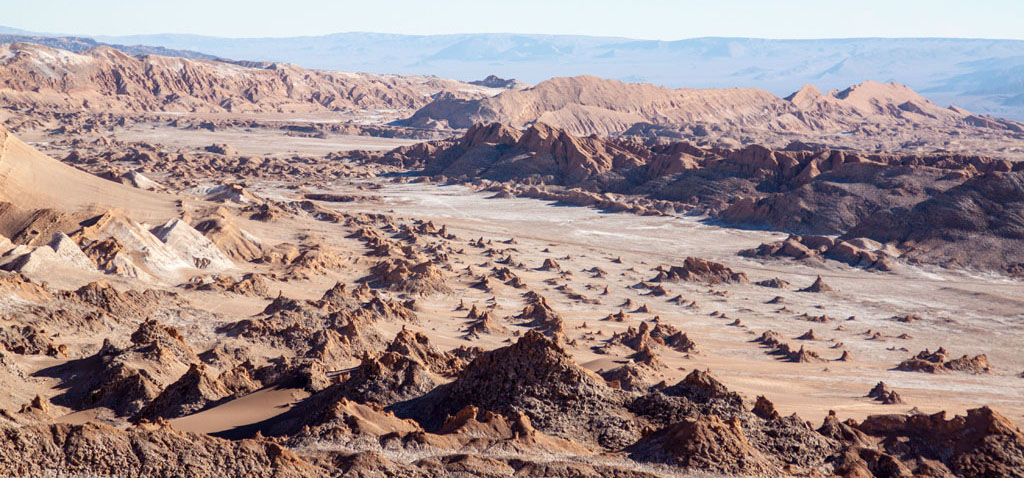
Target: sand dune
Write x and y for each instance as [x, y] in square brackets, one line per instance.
[32, 180]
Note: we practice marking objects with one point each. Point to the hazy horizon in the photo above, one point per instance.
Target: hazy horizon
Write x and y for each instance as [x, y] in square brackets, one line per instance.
[648, 20]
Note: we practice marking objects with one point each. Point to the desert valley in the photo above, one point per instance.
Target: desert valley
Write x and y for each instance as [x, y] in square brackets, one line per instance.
[245, 268]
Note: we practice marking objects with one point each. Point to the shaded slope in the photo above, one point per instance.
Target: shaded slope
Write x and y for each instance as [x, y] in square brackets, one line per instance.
[978, 223]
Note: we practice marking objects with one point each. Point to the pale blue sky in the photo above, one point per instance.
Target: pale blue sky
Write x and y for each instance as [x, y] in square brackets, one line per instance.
[646, 19]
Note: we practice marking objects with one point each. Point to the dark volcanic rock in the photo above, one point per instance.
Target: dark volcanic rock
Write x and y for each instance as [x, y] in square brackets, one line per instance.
[533, 376]
[706, 444]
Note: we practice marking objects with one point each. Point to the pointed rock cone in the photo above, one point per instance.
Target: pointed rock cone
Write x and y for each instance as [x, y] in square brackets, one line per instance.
[809, 335]
[484, 284]
[819, 285]
[880, 389]
[883, 394]
[804, 356]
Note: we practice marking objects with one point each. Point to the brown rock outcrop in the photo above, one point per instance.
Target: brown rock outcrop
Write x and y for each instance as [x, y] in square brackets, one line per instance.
[29, 340]
[859, 252]
[701, 270]
[860, 196]
[645, 336]
[938, 361]
[982, 443]
[485, 323]
[400, 275]
[252, 284]
[765, 409]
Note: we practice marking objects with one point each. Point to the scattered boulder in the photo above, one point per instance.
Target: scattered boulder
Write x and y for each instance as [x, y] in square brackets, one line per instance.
[774, 283]
[550, 265]
[883, 394]
[224, 149]
[765, 409]
[907, 318]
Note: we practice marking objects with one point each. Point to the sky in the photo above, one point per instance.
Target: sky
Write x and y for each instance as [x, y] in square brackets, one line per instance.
[642, 19]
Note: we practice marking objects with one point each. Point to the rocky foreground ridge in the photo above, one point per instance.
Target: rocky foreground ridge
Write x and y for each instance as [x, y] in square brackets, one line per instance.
[525, 399]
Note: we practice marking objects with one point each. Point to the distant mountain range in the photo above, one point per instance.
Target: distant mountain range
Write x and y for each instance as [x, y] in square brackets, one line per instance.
[985, 76]
[78, 44]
